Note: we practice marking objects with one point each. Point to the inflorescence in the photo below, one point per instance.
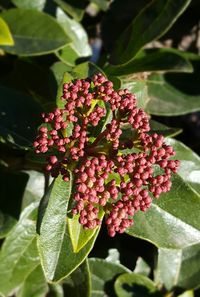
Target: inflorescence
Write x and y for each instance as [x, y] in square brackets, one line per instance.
[113, 173]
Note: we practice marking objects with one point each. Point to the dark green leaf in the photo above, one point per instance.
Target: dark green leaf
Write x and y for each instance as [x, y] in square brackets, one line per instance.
[16, 106]
[55, 247]
[163, 59]
[78, 284]
[19, 256]
[134, 285]
[12, 187]
[170, 221]
[5, 35]
[43, 35]
[165, 99]
[142, 267]
[151, 23]
[34, 285]
[6, 224]
[103, 275]
[166, 131]
[30, 4]
[74, 9]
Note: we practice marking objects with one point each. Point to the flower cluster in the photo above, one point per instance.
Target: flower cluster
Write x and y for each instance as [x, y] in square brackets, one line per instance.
[114, 174]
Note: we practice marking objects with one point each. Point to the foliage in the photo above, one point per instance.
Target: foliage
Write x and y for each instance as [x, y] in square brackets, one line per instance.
[44, 249]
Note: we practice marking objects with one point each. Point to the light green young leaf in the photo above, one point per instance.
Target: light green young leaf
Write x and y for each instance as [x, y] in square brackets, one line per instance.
[5, 35]
[78, 235]
[30, 4]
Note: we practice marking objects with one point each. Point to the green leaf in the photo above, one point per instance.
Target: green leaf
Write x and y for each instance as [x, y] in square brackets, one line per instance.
[34, 285]
[56, 290]
[54, 244]
[35, 187]
[43, 35]
[187, 294]
[16, 106]
[138, 87]
[103, 274]
[79, 47]
[142, 267]
[190, 163]
[151, 23]
[78, 235]
[86, 69]
[170, 221]
[29, 4]
[179, 267]
[5, 35]
[19, 256]
[79, 282]
[75, 10]
[162, 59]
[166, 100]
[134, 285]
[102, 4]
[6, 224]
[166, 131]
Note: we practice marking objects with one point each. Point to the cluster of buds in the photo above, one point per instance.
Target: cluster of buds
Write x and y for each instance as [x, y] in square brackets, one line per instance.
[114, 174]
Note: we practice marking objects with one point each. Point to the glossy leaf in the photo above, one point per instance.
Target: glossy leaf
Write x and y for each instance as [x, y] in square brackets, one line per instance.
[6, 224]
[151, 23]
[34, 285]
[19, 256]
[43, 35]
[54, 244]
[79, 282]
[142, 267]
[166, 131]
[14, 106]
[190, 163]
[170, 221]
[179, 267]
[5, 34]
[35, 187]
[78, 235]
[167, 100]
[79, 47]
[152, 60]
[29, 4]
[134, 285]
[137, 86]
[75, 10]
[103, 274]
